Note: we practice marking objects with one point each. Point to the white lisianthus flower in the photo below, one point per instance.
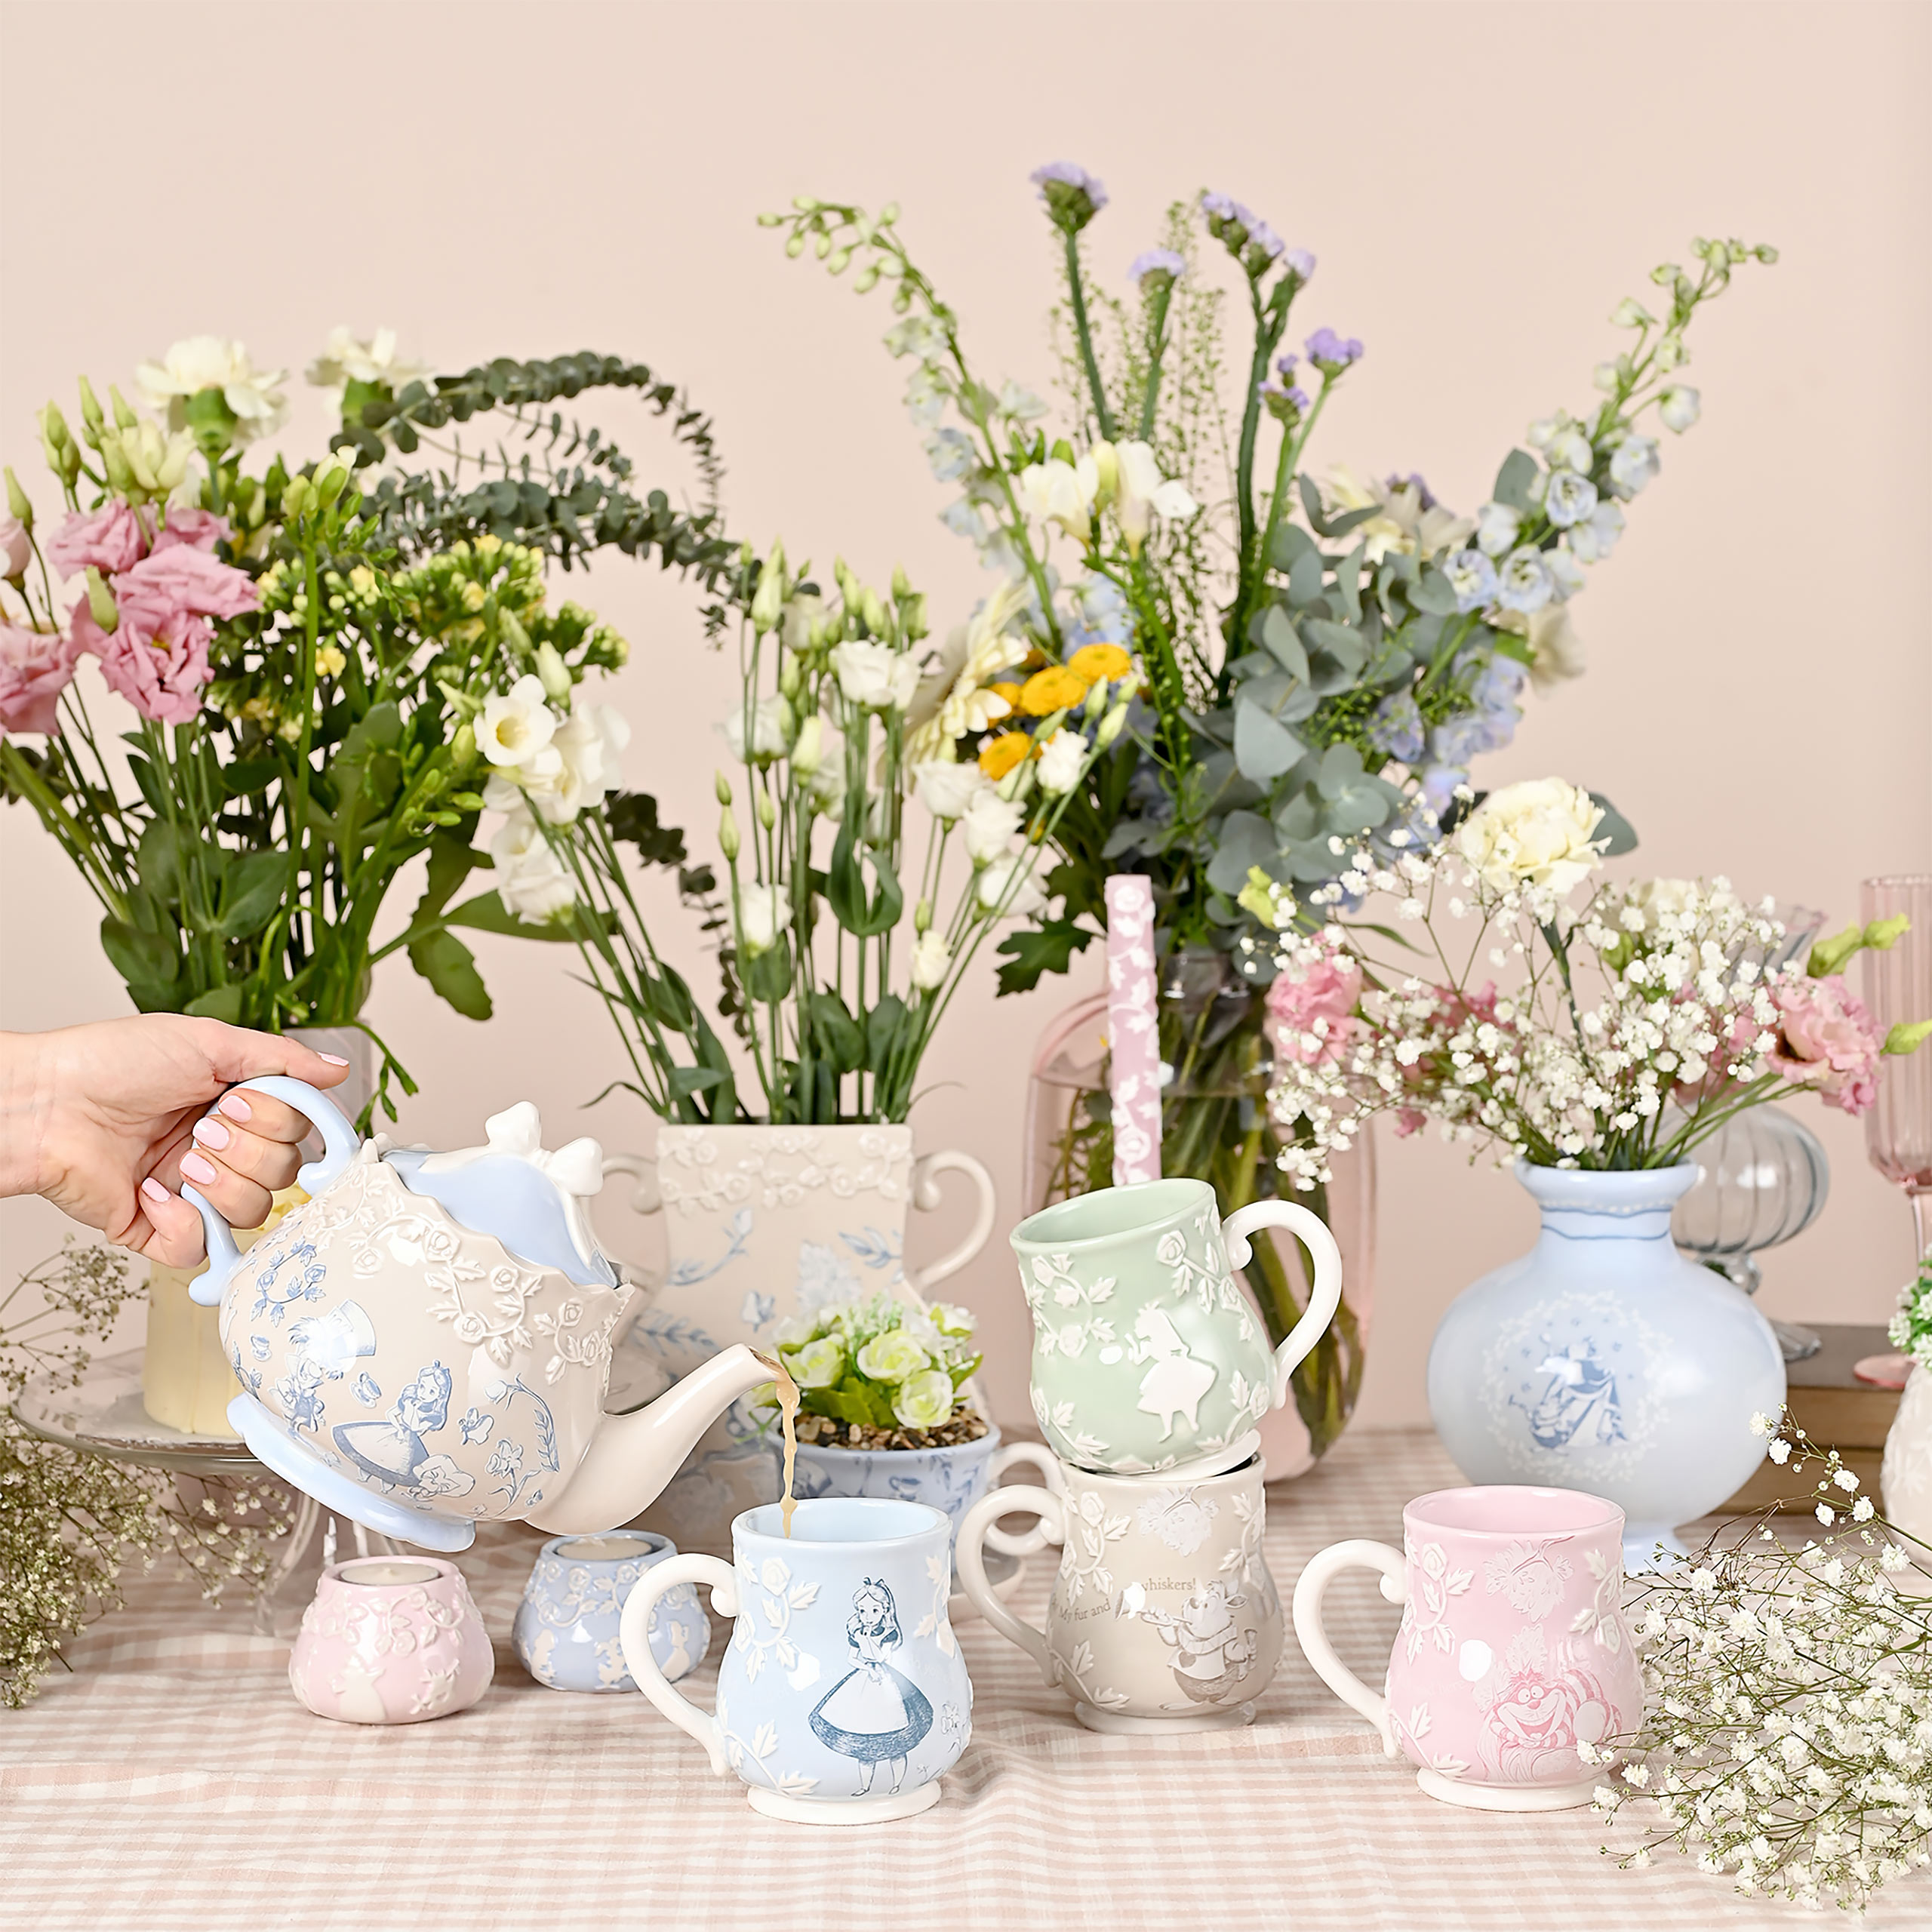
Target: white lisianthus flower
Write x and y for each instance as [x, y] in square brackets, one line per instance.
[1524, 583]
[1496, 526]
[1473, 577]
[1539, 832]
[946, 790]
[808, 748]
[1632, 464]
[1014, 873]
[532, 882]
[1557, 651]
[763, 912]
[1570, 498]
[1679, 408]
[932, 958]
[1062, 760]
[1063, 493]
[516, 727]
[989, 824]
[1570, 449]
[1566, 575]
[874, 675]
[347, 357]
[802, 611]
[1407, 521]
[774, 727]
[1145, 494]
[1593, 539]
[208, 362]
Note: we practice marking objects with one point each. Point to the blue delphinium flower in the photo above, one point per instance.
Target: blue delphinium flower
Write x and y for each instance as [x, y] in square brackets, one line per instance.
[1396, 728]
[1097, 612]
[1473, 577]
[1524, 582]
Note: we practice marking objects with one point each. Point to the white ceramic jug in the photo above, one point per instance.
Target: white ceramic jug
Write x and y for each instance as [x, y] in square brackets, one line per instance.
[425, 1344]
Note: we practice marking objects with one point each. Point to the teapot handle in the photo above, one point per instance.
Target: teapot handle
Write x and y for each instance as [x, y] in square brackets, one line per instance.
[339, 1148]
[1324, 1298]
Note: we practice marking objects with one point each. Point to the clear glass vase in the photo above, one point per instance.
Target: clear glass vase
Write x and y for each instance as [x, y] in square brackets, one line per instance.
[1215, 1127]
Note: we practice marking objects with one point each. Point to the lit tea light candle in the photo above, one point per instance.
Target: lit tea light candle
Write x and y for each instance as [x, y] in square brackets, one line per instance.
[375, 1573]
[605, 1550]
[1134, 1031]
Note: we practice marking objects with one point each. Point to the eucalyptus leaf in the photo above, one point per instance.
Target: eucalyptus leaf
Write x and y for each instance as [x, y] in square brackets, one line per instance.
[1514, 479]
[1265, 748]
[1246, 840]
[1279, 639]
[1613, 826]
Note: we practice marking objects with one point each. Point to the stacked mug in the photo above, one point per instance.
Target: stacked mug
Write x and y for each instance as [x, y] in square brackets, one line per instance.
[1150, 1371]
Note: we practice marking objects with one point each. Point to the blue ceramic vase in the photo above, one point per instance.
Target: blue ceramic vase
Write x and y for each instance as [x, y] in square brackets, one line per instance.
[1605, 1360]
[565, 1634]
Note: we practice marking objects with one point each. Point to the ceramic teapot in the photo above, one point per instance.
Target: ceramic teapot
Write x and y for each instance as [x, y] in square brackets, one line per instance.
[424, 1344]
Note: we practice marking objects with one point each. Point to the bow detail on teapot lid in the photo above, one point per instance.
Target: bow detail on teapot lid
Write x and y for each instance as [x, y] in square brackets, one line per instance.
[532, 1200]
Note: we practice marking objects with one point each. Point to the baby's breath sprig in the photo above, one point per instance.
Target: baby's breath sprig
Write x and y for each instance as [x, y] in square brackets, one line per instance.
[1787, 1735]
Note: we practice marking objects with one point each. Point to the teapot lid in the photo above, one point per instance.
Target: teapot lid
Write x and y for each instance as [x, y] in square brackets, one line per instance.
[532, 1201]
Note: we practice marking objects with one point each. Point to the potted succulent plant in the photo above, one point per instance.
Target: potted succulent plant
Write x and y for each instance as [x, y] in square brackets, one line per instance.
[885, 1407]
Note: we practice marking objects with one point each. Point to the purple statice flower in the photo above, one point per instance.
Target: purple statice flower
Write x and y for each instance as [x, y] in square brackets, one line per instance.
[1302, 261]
[1281, 399]
[1264, 238]
[1072, 196]
[1330, 353]
[1396, 728]
[1414, 481]
[1155, 262]
[1225, 208]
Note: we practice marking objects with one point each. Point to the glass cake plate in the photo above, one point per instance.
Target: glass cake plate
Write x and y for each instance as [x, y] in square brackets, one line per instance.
[103, 1414]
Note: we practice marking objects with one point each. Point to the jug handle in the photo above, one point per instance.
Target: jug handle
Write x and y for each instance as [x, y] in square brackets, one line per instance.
[641, 1170]
[971, 1556]
[927, 1195]
[634, 1638]
[1324, 1298]
[1311, 1587]
[339, 1147]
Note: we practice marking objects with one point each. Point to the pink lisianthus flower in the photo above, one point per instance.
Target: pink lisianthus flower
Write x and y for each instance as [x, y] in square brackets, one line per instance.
[1828, 1041]
[16, 548]
[157, 657]
[199, 530]
[36, 667]
[1314, 1012]
[112, 538]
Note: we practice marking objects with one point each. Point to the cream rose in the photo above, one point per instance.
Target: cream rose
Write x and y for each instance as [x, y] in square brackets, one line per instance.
[1540, 832]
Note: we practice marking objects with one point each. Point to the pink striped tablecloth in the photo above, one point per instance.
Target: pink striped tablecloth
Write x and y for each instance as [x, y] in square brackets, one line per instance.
[172, 1784]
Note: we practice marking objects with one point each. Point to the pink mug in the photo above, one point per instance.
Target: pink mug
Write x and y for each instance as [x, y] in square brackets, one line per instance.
[1512, 1649]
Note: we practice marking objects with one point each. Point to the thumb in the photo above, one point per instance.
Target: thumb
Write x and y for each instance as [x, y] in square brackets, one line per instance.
[235, 1053]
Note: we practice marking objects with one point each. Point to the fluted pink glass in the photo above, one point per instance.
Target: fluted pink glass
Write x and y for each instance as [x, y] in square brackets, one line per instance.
[1898, 987]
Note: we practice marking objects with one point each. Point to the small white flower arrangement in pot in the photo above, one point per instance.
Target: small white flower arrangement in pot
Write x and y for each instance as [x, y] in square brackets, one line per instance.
[884, 1406]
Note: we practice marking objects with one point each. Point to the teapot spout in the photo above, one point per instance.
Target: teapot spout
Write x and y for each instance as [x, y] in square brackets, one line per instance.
[633, 1458]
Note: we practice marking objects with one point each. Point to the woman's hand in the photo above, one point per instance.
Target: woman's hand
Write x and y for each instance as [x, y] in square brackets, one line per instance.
[106, 1122]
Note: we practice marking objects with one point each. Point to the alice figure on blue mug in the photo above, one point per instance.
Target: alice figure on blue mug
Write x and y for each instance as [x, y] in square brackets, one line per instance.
[873, 1713]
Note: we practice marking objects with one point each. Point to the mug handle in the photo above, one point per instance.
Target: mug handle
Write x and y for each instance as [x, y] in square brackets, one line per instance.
[339, 1148]
[634, 1635]
[1044, 1460]
[971, 1561]
[1324, 1298]
[1312, 1587]
[927, 1195]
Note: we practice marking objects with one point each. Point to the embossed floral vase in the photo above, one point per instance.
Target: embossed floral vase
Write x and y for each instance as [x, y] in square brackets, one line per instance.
[1512, 1649]
[1605, 1360]
[565, 1634]
[391, 1640]
[762, 1224]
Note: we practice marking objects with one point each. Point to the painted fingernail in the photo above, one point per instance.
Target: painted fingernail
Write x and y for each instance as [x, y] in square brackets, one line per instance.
[236, 1106]
[210, 1133]
[153, 1190]
[333, 1059]
[202, 1172]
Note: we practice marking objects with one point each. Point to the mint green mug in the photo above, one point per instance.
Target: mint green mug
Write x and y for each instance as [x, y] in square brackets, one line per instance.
[1147, 1354]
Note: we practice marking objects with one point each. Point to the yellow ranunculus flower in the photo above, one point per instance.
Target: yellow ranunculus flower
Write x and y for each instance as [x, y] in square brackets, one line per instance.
[1093, 662]
[1008, 690]
[1056, 688]
[998, 756]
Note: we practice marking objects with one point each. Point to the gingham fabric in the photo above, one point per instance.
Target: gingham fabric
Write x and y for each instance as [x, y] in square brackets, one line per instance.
[171, 1783]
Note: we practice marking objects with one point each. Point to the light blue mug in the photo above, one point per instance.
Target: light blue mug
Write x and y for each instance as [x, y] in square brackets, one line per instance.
[842, 1696]
[1147, 1355]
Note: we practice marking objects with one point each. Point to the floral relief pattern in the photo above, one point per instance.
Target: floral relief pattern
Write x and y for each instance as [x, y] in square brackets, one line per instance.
[762, 1635]
[1531, 1576]
[778, 1167]
[1433, 1581]
[1602, 1618]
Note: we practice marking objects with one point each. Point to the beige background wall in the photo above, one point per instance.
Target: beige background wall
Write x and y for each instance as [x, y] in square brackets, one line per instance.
[1481, 182]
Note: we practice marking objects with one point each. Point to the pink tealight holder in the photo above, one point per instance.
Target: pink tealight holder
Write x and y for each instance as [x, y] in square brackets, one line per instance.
[391, 1640]
[1512, 1649]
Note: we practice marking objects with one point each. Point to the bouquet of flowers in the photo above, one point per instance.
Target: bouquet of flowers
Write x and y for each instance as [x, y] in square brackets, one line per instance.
[840, 936]
[321, 675]
[1789, 1706]
[878, 1374]
[1634, 1026]
[1319, 657]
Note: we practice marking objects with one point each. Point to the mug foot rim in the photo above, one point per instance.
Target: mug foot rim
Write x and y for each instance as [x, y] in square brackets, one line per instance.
[1122, 1724]
[878, 1810]
[1504, 1797]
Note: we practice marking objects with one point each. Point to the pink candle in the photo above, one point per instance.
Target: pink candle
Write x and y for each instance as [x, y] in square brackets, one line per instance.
[1134, 1033]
